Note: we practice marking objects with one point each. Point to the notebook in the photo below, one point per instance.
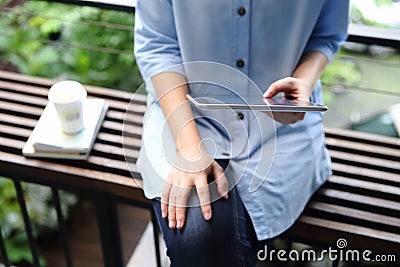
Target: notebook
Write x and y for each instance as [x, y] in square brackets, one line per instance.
[47, 139]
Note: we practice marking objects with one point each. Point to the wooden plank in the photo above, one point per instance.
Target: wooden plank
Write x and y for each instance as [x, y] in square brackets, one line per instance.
[365, 161]
[47, 83]
[17, 120]
[110, 126]
[365, 174]
[363, 149]
[321, 233]
[9, 144]
[360, 199]
[28, 89]
[387, 189]
[120, 116]
[354, 229]
[119, 128]
[23, 110]
[114, 152]
[43, 92]
[104, 164]
[132, 142]
[18, 133]
[28, 124]
[106, 154]
[24, 102]
[51, 173]
[105, 151]
[354, 213]
[361, 137]
[374, 35]
[22, 98]
[23, 78]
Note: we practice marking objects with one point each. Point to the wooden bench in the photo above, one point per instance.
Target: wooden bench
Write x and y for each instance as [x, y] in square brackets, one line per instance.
[360, 202]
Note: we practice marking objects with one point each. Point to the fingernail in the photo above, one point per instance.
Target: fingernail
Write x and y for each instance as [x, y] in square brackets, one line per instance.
[207, 216]
[171, 224]
[226, 196]
[163, 214]
[266, 94]
[179, 224]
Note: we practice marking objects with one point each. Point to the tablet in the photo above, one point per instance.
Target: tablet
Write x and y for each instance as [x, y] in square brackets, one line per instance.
[257, 103]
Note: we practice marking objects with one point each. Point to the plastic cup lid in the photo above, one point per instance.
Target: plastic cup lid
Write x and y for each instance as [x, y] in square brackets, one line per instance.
[66, 92]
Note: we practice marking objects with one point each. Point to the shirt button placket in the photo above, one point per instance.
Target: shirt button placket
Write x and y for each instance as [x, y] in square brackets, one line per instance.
[242, 29]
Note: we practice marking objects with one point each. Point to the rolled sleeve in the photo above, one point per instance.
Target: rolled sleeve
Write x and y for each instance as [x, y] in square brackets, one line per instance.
[330, 30]
[156, 45]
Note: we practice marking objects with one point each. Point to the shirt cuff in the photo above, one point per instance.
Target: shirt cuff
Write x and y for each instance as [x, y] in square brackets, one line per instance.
[157, 63]
[329, 47]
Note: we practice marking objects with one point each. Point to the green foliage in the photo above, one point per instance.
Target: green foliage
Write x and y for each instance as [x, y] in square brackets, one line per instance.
[342, 72]
[41, 212]
[380, 3]
[356, 16]
[62, 41]
[338, 73]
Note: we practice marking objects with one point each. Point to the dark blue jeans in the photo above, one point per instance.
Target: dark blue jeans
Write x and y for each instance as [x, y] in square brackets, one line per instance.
[227, 239]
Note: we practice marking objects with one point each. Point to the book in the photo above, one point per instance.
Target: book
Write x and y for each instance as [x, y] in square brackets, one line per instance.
[48, 141]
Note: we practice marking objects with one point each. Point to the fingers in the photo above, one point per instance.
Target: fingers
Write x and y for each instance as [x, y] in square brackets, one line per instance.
[287, 117]
[182, 195]
[204, 197]
[176, 194]
[177, 202]
[175, 205]
[292, 88]
[172, 208]
[220, 180]
[165, 200]
[284, 85]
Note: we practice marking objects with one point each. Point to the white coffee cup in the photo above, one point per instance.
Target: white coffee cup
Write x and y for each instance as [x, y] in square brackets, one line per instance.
[68, 97]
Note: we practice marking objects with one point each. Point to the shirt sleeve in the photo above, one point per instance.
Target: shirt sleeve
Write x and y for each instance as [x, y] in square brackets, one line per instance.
[330, 30]
[156, 46]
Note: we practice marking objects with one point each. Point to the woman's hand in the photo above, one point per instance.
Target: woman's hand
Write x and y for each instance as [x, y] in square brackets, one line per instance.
[292, 88]
[192, 168]
[299, 86]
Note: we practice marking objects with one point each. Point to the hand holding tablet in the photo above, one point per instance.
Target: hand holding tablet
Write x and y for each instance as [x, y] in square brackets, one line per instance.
[256, 103]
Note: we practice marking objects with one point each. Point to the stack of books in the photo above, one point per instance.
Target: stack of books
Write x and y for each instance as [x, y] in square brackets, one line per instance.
[47, 139]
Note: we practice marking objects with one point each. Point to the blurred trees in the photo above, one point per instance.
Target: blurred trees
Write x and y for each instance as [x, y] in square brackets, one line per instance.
[59, 41]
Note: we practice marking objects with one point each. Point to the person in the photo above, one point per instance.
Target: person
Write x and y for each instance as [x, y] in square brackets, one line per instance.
[223, 182]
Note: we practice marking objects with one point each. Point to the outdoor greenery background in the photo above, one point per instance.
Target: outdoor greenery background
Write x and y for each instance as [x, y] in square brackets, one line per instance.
[60, 41]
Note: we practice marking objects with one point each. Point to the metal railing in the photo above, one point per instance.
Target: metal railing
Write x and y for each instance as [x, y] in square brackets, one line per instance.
[107, 218]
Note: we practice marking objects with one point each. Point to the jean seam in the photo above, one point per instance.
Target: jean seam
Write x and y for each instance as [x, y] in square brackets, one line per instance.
[237, 228]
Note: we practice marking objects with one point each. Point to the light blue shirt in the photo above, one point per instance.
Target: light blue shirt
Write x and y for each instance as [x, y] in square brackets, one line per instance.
[276, 167]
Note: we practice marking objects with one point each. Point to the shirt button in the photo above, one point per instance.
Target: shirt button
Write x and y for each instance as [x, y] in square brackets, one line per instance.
[240, 63]
[240, 116]
[225, 154]
[241, 11]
